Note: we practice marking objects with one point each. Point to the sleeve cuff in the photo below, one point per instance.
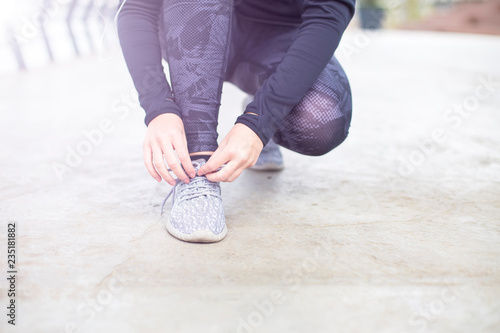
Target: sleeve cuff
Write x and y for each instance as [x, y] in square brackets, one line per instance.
[168, 106]
[252, 122]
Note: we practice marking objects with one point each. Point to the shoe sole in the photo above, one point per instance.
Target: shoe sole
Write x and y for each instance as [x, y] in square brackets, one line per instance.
[200, 236]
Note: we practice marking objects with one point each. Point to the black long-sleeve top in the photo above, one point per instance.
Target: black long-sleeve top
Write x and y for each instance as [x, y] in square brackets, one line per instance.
[321, 24]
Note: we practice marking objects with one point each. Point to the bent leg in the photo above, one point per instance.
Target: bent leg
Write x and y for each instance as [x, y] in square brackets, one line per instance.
[320, 121]
[196, 41]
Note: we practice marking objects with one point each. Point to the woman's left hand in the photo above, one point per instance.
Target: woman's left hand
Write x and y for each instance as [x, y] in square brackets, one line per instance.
[240, 149]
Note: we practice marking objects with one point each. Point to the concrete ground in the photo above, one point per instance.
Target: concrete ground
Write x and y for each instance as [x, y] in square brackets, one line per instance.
[397, 230]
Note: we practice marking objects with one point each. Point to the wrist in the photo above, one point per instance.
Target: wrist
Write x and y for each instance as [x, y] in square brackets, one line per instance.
[251, 122]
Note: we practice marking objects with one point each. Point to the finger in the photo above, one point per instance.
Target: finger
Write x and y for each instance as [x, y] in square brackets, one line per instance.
[148, 161]
[174, 165]
[160, 166]
[223, 174]
[219, 157]
[235, 175]
[183, 155]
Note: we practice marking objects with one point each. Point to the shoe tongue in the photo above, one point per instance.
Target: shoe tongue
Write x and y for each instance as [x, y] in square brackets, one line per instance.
[198, 163]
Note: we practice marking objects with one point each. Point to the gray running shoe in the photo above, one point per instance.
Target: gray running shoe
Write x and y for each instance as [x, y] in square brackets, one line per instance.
[197, 214]
[270, 158]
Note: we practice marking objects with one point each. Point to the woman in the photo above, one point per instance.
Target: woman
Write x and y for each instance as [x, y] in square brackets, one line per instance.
[280, 51]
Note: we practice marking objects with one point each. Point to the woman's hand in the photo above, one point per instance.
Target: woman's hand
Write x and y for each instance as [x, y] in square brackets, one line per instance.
[240, 149]
[165, 134]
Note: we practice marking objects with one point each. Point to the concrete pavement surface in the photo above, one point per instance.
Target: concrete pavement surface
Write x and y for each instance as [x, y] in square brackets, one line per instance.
[396, 230]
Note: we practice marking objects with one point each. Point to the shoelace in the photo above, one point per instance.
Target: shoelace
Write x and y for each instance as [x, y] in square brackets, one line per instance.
[197, 187]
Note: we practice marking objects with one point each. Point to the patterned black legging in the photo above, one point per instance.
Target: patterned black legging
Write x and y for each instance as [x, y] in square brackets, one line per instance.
[207, 42]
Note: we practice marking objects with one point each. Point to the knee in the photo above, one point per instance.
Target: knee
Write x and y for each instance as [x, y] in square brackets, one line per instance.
[318, 141]
[319, 123]
[331, 138]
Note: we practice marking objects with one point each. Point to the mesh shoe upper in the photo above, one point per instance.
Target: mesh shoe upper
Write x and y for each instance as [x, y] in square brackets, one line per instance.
[197, 206]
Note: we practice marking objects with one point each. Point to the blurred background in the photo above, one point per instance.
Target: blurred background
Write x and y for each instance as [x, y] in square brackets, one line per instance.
[36, 33]
[408, 208]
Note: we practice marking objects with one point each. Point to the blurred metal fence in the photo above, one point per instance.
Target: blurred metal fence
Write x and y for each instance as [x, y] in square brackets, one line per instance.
[79, 23]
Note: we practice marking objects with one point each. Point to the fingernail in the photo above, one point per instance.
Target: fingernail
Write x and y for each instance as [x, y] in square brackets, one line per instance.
[192, 175]
[186, 181]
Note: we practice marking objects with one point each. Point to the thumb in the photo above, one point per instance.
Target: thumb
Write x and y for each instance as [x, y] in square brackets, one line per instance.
[214, 162]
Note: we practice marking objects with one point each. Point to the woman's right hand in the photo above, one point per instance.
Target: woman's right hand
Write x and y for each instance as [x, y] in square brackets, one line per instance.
[165, 134]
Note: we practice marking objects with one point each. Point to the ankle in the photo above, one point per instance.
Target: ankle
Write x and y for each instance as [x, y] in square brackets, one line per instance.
[205, 155]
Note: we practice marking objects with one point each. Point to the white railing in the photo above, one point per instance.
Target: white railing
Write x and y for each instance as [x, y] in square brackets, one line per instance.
[40, 32]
